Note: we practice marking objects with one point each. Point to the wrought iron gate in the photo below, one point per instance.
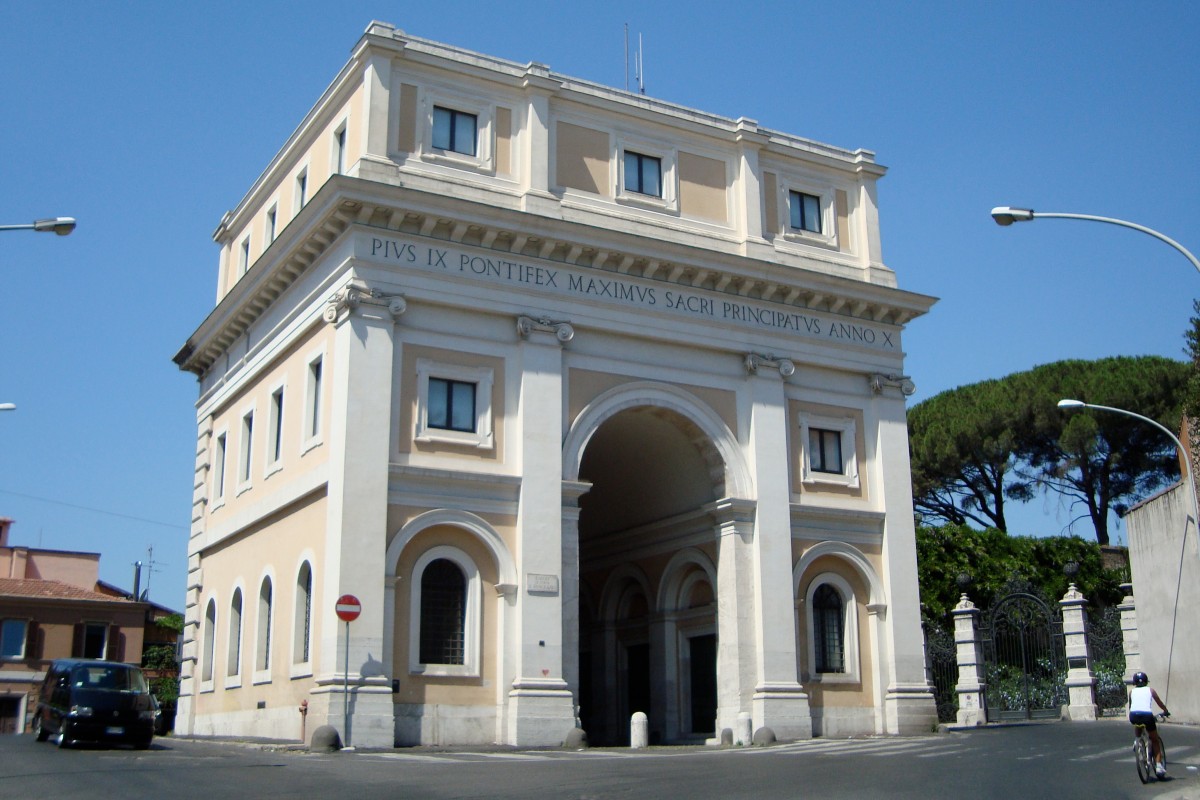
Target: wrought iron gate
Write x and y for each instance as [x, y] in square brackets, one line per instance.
[1105, 640]
[942, 666]
[1023, 650]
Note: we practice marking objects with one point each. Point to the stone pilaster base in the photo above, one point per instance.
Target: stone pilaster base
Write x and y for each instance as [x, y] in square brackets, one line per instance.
[910, 709]
[784, 709]
[540, 717]
[372, 719]
[971, 708]
[1083, 705]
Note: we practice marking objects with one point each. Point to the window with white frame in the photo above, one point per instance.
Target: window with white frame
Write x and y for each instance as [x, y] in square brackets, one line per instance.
[444, 625]
[805, 211]
[262, 654]
[832, 621]
[643, 174]
[245, 450]
[13, 633]
[233, 661]
[302, 632]
[455, 131]
[829, 450]
[244, 259]
[301, 189]
[210, 643]
[272, 223]
[454, 404]
[219, 458]
[312, 403]
[339, 150]
[275, 430]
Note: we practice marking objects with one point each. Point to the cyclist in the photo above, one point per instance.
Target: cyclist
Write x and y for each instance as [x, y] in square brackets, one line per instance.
[1141, 712]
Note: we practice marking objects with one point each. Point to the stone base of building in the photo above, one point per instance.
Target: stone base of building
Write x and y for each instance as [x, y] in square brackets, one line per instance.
[843, 722]
[371, 722]
[434, 724]
[783, 709]
[540, 717]
[1082, 707]
[910, 710]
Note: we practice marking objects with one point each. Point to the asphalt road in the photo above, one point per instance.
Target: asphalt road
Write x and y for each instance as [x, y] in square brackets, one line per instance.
[1053, 760]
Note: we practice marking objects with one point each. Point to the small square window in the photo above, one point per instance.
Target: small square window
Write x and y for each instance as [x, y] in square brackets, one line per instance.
[275, 434]
[245, 257]
[825, 451]
[454, 130]
[806, 212]
[312, 414]
[643, 174]
[301, 189]
[451, 405]
[339, 151]
[246, 450]
[272, 217]
[219, 468]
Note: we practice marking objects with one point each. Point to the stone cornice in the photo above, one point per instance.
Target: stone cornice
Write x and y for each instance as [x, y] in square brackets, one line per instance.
[344, 202]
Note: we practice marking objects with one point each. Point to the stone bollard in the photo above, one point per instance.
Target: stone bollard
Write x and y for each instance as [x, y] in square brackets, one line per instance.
[744, 729]
[726, 737]
[325, 739]
[639, 737]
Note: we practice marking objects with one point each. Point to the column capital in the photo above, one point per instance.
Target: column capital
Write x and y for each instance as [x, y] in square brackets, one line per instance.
[562, 331]
[754, 361]
[877, 381]
[348, 299]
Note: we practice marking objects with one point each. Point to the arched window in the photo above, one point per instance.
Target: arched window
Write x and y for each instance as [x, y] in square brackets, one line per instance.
[443, 613]
[829, 629]
[262, 659]
[210, 641]
[233, 665]
[302, 632]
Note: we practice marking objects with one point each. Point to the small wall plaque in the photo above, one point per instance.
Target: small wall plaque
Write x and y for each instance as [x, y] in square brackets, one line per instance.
[542, 584]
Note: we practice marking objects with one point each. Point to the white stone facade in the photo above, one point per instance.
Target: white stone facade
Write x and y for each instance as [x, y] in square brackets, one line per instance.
[595, 402]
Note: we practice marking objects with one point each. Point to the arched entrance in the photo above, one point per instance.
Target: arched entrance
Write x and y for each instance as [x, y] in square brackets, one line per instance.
[647, 554]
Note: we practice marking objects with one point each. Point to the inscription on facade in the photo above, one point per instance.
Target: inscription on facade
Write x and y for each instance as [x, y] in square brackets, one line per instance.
[541, 584]
[567, 280]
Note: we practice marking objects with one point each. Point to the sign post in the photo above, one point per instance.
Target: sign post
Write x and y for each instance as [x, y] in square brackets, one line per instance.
[347, 608]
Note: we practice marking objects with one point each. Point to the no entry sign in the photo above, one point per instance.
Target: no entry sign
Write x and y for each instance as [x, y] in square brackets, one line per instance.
[348, 608]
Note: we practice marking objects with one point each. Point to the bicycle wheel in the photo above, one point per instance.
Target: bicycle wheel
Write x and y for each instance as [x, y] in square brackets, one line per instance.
[1141, 757]
[1162, 747]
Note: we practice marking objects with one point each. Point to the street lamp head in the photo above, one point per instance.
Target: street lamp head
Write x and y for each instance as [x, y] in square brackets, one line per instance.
[1071, 404]
[60, 225]
[1007, 215]
[8, 406]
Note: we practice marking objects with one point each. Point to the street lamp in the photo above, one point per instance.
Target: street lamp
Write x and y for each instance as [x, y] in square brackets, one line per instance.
[60, 225]
[1007, 215]
[1072, 405]
[8, 406]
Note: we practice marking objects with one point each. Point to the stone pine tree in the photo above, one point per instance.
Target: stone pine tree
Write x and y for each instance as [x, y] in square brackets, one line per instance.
[977, 446]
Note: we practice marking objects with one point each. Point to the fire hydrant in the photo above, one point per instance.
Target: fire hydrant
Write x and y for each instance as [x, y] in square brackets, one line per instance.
[303, 718]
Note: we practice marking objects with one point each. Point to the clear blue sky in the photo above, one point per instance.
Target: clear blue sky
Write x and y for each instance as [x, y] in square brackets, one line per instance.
[147, 121]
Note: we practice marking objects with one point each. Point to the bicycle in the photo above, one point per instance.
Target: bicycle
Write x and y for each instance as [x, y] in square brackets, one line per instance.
[1141, 752]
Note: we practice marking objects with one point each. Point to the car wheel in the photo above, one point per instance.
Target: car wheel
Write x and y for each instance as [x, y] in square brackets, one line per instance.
[62, 741]
[38, 730]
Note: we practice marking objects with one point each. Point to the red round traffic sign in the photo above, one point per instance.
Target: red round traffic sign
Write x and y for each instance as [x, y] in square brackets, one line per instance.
[348, 608]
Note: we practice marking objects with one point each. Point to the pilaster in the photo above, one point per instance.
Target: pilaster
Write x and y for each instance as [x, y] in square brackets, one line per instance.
[540, 704]
[736, 652]
[1129, 633]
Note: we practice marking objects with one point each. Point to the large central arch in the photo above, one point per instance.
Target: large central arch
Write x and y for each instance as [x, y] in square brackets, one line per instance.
[656, 458]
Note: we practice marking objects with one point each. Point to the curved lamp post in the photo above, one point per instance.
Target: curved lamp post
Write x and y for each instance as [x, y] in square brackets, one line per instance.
[60, 225]
[1071, 405]
[1007, 215]
[8, 406]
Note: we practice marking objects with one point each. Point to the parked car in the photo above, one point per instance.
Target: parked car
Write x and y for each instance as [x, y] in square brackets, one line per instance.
[83, 700]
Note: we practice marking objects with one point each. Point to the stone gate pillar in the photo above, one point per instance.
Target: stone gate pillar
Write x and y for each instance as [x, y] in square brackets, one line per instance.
[972, 703]
[1081, 683]
[1129, 634]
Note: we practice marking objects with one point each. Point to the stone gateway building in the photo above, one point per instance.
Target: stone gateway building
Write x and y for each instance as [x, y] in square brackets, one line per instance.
[595, 402]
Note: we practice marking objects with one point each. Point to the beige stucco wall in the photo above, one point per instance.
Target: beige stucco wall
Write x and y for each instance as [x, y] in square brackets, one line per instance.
[582, 159]
[73, 569]
[702, 187]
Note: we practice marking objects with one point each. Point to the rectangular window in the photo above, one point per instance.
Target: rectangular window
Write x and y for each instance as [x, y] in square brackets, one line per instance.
[806, 212]
[244, 461]
[643, 174]
[301, 190]
[12, 638]
[339, 151]
[95, 635]
[275, 445]
[454, 130]
[219, 468]
[825, 451]
[272, 217]
[312, 422]
[451, 405]
[245, 262]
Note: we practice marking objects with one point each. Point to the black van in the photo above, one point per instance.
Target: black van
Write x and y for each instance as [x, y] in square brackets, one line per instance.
[93, 701]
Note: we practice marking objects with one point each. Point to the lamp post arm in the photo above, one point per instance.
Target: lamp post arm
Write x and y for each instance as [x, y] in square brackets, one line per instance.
[1125, 224]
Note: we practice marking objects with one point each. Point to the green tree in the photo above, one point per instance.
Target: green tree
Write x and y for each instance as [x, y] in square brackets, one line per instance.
[161, 658]
[977, 446]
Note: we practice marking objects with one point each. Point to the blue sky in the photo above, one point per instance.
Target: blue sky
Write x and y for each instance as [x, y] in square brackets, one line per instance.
[147, 121]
